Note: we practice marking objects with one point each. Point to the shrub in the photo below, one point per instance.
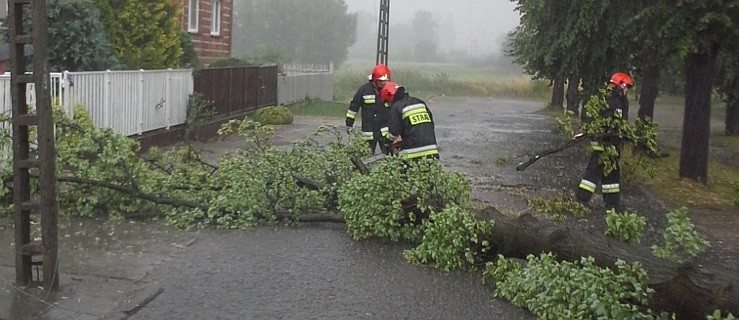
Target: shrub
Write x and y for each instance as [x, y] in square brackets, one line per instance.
[274, 115]
[681, 238]
[453, 238]
[625, 226]
[396, 196]
[572, 290]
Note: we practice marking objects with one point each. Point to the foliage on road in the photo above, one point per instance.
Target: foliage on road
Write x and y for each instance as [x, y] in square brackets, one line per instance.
[573, 290]
[393, 200]
[625, 226]
[452, 239]
[682, 241]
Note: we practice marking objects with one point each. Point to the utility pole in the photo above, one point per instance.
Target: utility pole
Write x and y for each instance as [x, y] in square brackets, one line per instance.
[383, 30]
[31, 253]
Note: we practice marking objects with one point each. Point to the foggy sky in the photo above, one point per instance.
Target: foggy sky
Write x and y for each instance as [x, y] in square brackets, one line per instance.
[479, 25]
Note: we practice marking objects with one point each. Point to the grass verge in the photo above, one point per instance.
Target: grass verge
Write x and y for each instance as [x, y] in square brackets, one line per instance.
[433, 82]
[668, 186]
[318, 108]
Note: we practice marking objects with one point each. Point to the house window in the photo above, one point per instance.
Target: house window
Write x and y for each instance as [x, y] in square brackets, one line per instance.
[192, 16]
[215, 27]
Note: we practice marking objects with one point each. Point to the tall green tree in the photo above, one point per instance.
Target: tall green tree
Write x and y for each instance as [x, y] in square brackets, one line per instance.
[77, 40]
[728, 83]
[579, 41]
[147, 34]
[702, 26]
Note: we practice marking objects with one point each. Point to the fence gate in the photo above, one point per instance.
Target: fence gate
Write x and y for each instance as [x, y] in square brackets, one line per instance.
[41, 255]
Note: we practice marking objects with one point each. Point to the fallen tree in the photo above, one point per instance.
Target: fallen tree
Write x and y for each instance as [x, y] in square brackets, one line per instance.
[691, 290]
[275, 185]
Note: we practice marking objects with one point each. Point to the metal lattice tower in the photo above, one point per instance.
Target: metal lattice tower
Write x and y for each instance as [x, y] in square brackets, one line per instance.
[383, 31]
[28, 163]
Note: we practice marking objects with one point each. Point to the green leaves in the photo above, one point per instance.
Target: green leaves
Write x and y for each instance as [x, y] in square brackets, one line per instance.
[147, 34]
[559, 208]
[716, 315]
[453, 239]
[572, 290]
[681, 239]
[77, 38]
[393, 200]
[607, 129]
[625, 226]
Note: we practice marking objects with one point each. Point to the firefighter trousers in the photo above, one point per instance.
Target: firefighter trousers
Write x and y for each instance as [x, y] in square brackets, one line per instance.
[610, 186]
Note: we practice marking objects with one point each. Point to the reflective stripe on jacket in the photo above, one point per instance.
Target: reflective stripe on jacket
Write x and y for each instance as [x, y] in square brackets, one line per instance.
[374, 112]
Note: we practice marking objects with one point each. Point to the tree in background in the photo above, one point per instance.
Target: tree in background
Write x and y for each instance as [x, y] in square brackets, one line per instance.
[318, 31]
[107, 15]
[77, 39]
[728, 83]
[147, 34]
[424, 34]
[532, 44]
[702, 27]
[591, 39]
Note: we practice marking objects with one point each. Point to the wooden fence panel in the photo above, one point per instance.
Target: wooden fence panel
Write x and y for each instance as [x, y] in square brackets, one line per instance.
[251, 89]
[268, 87]
[238, 90]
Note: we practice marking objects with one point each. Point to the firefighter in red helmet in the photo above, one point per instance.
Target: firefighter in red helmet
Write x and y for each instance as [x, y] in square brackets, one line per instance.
[374, 113]
[410, 120]
[617, 107]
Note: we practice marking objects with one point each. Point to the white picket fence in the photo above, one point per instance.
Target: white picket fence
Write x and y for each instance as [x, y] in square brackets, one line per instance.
[136, 101]
[131, 102]
[305, 81]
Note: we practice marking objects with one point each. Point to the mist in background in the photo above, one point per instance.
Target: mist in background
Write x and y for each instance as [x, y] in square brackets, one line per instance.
[429, 30]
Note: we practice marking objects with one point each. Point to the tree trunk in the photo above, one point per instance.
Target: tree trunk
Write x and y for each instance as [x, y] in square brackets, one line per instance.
[699, 73]
[691, 290]
[732, 116]
[558, 92]
[573, 95]
[648, 90]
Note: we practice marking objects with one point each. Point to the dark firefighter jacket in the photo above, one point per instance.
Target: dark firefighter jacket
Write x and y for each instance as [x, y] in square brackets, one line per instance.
[374, 113]
[617, 107]
[413, 122]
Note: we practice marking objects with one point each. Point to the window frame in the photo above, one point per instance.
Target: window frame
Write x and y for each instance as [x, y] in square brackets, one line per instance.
[192, 12]
[215, 20]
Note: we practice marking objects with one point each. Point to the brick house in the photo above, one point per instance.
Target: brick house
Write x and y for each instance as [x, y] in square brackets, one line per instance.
[209, 23]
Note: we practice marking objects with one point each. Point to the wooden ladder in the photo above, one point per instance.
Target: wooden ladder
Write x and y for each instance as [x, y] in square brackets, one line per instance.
[26, 161]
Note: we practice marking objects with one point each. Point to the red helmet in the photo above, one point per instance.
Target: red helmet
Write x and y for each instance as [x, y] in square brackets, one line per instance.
[381, 72]
[622, 80]
[387, 93]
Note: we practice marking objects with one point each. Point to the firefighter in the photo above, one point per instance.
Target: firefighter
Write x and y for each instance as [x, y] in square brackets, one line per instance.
[617, 107]
[411, 122]
[374, 112]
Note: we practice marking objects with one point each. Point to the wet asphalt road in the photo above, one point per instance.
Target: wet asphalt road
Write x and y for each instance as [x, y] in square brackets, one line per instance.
[312, 272]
